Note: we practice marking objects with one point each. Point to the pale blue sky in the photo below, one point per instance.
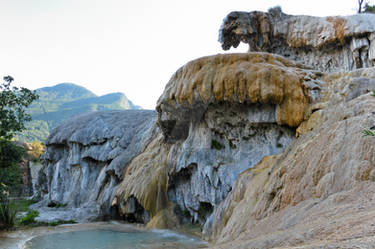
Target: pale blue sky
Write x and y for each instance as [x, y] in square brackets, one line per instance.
[125, 46]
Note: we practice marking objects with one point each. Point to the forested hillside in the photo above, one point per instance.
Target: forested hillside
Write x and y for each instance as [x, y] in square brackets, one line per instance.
[57, 103]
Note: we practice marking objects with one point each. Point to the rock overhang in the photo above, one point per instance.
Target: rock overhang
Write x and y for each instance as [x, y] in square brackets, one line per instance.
[248, 79]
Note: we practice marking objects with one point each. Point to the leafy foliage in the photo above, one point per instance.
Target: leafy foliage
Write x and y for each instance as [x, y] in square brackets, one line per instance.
[13, 115]
[29, 218]
[10, 178]
[369, 132]
[369, 8]
[13, 103]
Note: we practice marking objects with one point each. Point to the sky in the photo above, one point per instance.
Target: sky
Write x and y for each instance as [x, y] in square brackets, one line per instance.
[128, 46]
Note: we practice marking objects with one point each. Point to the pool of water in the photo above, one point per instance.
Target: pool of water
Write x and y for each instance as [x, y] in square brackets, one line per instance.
[112, 239]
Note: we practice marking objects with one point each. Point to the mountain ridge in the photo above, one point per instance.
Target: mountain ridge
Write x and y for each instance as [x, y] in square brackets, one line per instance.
[65, 100]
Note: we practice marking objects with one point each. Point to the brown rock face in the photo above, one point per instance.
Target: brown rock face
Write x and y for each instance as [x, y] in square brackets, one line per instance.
[253, 78]
[145, 181]
[319, 193]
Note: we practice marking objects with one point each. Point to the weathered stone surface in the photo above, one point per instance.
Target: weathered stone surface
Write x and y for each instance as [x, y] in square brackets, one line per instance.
[86, 157]
[253, 78]
[319, 193]
[325, 43]
[222, 114]
[145, 180]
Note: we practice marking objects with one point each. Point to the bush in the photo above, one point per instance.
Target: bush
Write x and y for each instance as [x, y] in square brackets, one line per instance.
[29, 218]
[10, 176]
[7, 214]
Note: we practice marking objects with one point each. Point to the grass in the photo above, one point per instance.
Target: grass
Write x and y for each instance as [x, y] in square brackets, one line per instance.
[29, 221]
[21, 205]
[9, 209]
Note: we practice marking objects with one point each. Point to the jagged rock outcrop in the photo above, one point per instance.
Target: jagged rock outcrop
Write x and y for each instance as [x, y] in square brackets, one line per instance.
[222, 114]
[319, 193]
[324, 43]
[85, 159]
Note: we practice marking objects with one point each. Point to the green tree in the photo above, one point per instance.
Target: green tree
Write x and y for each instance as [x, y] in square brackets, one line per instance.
[369, 8]
[13, 104]
[10, 176]
[365, 7]
[13, 115]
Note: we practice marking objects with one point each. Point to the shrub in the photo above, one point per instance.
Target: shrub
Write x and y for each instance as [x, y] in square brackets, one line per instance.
[7, 214]
[29, 218]
[10, 177]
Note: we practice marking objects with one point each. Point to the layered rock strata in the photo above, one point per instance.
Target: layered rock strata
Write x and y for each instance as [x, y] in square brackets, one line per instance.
[324, 43]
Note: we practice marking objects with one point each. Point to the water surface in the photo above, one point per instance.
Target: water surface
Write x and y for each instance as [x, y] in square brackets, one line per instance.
[113, 237]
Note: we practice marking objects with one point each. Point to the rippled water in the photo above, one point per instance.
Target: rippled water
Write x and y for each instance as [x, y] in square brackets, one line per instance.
[112, 239]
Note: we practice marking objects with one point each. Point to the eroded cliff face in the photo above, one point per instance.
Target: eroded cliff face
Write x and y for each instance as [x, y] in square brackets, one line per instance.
[218, 116]
[319, 193]
[324, 43]
[85, 160]
[221, 115]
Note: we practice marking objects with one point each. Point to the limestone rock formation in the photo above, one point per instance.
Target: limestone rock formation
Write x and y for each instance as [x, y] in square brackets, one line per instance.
[86, 157]
[319, 193]
[222, 114]
[260, 150]
[324, 43]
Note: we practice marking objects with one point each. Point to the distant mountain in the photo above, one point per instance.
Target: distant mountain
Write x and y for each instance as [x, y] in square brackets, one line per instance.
[57, 103]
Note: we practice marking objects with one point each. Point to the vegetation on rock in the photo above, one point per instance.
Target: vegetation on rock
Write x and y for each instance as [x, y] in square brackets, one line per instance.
[29, 218]
[216, 145]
